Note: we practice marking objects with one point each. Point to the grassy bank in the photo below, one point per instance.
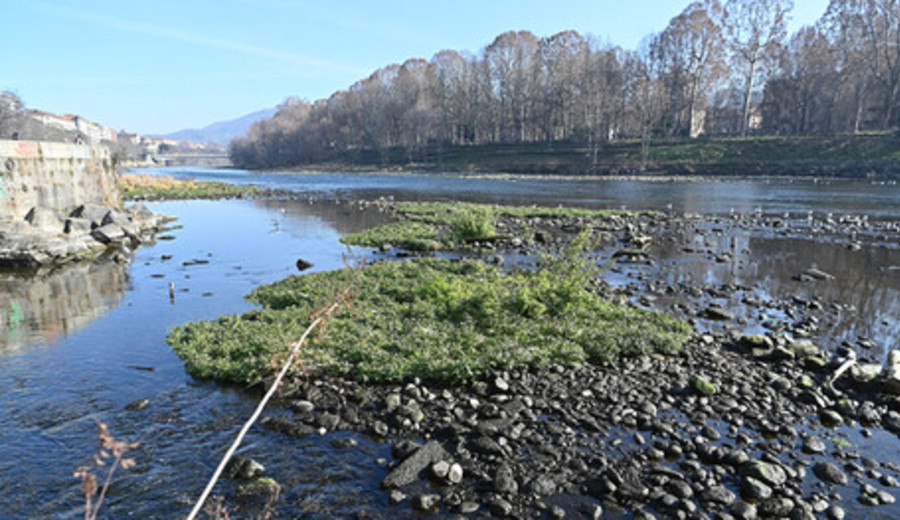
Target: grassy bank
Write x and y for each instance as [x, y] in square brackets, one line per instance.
[842, 155]
[152, 187]
[435, 319]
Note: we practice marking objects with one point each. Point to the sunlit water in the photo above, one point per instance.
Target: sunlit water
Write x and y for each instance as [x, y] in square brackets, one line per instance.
[75, 344]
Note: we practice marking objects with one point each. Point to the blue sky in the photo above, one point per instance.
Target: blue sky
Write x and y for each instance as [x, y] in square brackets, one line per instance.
[156, 67]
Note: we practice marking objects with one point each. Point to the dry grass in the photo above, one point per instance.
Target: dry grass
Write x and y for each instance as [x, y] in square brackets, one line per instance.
[146, 186]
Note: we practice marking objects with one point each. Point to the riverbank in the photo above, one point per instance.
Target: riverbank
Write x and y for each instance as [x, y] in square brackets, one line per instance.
[845, 156]
[736, 422]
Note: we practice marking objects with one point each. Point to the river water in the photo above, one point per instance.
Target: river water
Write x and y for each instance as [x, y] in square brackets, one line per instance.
[78, 344]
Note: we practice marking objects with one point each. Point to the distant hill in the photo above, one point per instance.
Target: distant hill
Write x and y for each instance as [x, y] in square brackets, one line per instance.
[223, 132]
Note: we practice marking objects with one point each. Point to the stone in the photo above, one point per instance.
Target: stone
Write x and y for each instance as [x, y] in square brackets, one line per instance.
[92, 212]
[718, 495]
[455, 473]
[744, 511]
[891, 378]
[865, 372]
[77, 226]
[500, 507]
[591, 510]
[804, 349]
[257, 497]
[396, 496]
[829, 473]
[776, 507]
[137, 405]
[426, 501]
[542, 486]
[835, 512]
[408, 471]
[771, 474]
[756, 341]
[830, 418]
[440, 469]
[45, 220]
[303, 265]
[108, 234]
[243, 468]
[504, 481]
[813, 445]
[717, 313]
[754, 489]
[892, 421]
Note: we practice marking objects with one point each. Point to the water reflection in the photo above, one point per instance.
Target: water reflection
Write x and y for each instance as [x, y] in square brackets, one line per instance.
[42, 307]
[861, 302]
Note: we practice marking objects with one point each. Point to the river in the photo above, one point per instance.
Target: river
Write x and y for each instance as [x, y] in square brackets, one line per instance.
[78, 344]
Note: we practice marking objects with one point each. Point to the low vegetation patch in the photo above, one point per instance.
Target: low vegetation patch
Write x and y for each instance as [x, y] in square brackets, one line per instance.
[152, 187]
[447, 225]
[440, 320]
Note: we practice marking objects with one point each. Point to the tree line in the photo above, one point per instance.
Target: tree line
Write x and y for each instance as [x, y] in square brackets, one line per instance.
[719, 68]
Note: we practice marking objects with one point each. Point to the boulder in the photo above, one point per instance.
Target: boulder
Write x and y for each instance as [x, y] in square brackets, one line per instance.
[92, 212]
[891, 376]
[408, 471]
[108, 234]
[44, 220]
[77, 226]
[243, 468]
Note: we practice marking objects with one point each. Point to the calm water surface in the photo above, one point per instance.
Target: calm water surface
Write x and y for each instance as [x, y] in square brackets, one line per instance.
[70, 340]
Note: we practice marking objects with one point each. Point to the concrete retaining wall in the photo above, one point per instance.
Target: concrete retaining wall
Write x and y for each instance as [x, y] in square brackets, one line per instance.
[57, 176]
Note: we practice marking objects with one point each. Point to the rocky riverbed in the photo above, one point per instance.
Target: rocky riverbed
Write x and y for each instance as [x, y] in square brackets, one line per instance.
[759, 415]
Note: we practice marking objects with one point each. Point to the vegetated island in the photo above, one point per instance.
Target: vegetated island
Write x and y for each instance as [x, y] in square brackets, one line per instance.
[505, 387]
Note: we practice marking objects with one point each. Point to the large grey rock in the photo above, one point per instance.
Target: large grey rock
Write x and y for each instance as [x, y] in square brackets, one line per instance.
[108, 234]
[93, 212]
[408, 471]
[44, 220]
[78, 226]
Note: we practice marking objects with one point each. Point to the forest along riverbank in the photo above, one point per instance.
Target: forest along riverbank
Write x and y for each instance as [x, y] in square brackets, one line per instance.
[749, 414]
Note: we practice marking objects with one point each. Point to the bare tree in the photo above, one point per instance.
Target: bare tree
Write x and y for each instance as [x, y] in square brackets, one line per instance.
[691, 58]
[868, 31]
[754, 30]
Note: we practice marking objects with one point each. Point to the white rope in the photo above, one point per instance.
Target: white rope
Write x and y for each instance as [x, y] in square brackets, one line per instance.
[262, 404]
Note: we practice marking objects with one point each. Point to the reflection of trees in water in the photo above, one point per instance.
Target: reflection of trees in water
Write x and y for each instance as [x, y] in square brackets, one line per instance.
[46, 306]
[862, 279]
[345, 216]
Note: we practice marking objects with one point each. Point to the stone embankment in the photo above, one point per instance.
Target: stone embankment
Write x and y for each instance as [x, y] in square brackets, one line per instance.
[60, 203]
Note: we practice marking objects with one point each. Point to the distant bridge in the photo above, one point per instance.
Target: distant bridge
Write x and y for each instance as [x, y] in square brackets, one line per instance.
[183, 159]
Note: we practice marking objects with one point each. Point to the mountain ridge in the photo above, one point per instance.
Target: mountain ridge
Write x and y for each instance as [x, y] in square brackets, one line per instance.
[222, 132]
